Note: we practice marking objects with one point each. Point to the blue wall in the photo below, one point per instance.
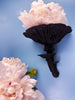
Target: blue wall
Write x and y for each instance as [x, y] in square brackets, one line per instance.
[14, 44]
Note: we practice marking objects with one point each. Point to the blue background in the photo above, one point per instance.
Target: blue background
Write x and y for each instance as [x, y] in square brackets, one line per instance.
[14, 44]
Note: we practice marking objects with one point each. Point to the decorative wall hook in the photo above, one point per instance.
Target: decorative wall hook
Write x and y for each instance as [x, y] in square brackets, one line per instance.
[48, 35]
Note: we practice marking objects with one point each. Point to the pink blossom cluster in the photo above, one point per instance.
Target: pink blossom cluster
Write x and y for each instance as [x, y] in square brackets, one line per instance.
[14, 84]
[41, 13]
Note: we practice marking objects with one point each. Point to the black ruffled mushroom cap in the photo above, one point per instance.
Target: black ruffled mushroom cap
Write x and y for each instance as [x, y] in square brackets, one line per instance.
[48, 35]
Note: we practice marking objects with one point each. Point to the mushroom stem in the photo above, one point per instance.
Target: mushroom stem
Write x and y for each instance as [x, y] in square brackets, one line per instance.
[50, 59]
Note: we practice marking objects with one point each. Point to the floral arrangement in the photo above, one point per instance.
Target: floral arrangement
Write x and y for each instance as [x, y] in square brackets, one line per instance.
[41, 13]
[15, 81]
[46, 24]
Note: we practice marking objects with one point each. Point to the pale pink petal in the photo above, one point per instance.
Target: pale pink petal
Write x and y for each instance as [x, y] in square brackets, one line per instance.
[40, 96]
[14, 84]
[41, 13]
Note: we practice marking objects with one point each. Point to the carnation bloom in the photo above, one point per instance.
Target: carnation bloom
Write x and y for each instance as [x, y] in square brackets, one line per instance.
[14, 84]
[41, 13]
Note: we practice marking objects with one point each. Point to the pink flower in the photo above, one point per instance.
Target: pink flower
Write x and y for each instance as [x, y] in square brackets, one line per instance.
[14, 84]
[41, 13]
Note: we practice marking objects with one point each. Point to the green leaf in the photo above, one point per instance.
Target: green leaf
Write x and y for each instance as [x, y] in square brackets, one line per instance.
[34, 88]
[27, 73]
